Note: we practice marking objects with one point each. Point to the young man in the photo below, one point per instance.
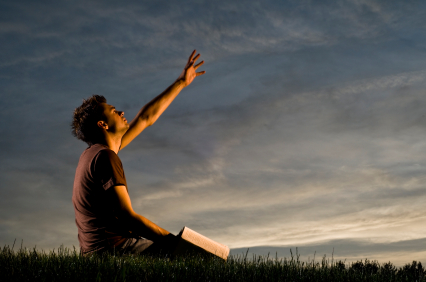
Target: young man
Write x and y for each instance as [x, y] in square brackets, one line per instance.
[104, 215]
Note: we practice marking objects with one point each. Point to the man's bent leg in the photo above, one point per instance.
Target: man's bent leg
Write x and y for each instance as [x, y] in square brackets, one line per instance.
[133, 246]
[164, 247]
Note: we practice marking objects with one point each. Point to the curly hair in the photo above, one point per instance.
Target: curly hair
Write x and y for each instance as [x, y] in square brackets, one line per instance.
[85, 118]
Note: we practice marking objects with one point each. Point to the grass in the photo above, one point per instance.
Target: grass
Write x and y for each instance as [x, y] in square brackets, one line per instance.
[67, 265]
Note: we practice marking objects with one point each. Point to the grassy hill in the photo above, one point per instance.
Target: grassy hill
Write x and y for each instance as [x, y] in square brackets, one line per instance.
[67, 265]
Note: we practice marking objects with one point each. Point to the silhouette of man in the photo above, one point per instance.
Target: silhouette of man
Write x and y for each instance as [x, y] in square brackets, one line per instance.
[104, 215]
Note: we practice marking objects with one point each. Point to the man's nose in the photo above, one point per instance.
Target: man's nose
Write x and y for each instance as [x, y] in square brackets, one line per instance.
[121, 113]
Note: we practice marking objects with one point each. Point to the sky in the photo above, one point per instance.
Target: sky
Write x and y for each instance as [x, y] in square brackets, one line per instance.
[307, 131]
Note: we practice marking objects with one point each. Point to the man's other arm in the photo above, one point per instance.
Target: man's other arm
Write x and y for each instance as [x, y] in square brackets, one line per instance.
[137, 223]
[153, 110]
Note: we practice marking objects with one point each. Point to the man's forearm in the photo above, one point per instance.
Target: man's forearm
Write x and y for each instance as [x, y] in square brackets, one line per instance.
[146, 228]
[153, 110]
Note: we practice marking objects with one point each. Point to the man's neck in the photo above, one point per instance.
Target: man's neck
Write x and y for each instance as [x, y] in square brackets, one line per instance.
[113, 142]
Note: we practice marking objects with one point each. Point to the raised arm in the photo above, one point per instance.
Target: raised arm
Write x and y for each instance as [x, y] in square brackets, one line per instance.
[153, 110]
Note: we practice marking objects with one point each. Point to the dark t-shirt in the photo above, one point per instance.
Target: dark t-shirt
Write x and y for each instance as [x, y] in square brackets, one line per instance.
[98, 170]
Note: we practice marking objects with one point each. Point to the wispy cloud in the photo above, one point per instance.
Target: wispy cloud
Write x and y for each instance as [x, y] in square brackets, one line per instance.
[307, 129]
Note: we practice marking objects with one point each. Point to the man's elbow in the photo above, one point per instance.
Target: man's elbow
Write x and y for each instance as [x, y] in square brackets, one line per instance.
[126, 215]
[146, 120]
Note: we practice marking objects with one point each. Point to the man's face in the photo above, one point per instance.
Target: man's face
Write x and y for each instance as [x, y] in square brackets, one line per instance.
[115, 120]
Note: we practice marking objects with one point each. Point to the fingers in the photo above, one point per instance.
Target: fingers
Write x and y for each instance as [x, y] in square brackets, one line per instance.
[196, 66]
[192, 55]
[191, 58]
[191, 62]
[196, 58]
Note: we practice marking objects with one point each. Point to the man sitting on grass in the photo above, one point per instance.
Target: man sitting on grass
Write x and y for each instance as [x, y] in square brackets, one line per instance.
[104, 215]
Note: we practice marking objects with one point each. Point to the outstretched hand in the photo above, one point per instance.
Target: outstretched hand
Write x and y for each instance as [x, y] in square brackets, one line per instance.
[188, 74]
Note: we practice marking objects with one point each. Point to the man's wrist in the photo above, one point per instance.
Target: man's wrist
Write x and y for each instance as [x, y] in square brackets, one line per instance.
[179, 83]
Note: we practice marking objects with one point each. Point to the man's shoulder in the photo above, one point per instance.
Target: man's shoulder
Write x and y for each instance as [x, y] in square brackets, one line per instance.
[98, 161]
[97, 149]
[101, 156]
[96, 152]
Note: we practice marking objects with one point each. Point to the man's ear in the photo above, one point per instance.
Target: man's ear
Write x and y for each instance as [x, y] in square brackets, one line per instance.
[102, 124]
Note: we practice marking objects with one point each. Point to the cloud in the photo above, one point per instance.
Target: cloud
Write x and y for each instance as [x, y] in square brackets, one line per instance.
[327, 170]
[99, 29]
[306, 130]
